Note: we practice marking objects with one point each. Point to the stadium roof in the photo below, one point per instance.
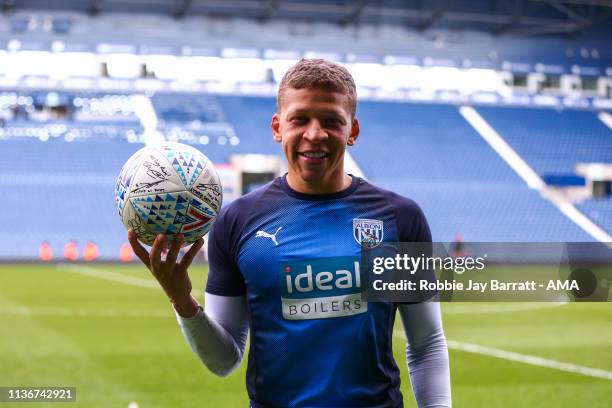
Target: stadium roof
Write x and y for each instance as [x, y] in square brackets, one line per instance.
[502, 17]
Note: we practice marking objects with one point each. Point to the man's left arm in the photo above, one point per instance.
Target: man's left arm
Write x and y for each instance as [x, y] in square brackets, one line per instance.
[426, 351]
[427, 354]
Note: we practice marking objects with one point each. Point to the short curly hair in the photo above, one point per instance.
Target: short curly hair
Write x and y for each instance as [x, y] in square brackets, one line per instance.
[317, 73]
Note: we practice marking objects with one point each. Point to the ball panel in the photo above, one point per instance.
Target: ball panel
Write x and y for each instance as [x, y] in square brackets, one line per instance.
[121, 195]
[201, 218]
[187, 161]
[132, 220]
[125, 178]
[154, 175]
[129, 168]
[170, 188]
[163, 213]
[207, 188]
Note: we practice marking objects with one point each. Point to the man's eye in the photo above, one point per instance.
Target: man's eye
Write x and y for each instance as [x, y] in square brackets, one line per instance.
[332, 122]
[299, 120]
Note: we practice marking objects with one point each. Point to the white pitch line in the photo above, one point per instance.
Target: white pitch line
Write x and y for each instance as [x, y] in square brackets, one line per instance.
[522, 358]
[533, 360]
[114, 277]
[75, 312]
[108, 275]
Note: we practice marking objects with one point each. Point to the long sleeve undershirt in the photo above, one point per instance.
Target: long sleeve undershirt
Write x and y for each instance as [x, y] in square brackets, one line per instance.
[218, 336]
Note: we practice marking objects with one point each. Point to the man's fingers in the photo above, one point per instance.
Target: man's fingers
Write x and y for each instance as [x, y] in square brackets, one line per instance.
[193, 251]
[155, 256]
[174, 251]
[138, 249]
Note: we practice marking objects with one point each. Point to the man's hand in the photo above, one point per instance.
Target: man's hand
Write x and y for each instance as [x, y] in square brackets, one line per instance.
[171, 275]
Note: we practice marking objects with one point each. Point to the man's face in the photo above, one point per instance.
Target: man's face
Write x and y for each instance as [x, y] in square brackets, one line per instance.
[314, 127]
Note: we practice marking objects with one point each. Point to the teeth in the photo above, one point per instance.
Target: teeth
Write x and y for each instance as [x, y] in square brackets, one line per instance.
[317, 155]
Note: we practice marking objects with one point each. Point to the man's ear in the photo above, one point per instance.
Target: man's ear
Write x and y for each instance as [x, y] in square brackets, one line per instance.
[275, 126]
[354, 132]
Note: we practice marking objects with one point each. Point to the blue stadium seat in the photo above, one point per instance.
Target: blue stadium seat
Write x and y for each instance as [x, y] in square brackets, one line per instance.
[552, 142]
[431, 154]
[187, 107]
[62, 190]
[599, 210]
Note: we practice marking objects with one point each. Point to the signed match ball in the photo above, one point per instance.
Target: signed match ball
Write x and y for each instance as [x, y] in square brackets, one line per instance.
[169, 188]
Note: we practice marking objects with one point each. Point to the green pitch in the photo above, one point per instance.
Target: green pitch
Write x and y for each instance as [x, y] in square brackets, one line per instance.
[110, 332]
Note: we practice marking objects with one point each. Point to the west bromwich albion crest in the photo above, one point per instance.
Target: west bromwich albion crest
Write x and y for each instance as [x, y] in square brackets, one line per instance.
[368, 233]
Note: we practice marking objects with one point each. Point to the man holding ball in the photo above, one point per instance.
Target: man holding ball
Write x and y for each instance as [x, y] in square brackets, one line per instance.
[284, 265]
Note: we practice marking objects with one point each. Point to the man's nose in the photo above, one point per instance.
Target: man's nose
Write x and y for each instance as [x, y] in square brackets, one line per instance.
[315, 132]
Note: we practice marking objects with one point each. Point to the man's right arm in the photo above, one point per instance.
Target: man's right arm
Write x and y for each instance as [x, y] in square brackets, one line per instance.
[218, 334]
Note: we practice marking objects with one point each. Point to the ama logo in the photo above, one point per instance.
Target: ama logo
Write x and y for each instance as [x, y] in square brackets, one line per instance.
[321, 288]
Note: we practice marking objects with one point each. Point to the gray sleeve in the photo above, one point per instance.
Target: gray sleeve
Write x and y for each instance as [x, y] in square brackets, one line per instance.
[218, 334]
[427, 354]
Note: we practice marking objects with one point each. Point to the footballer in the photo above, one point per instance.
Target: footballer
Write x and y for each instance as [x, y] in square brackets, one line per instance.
[284, 267]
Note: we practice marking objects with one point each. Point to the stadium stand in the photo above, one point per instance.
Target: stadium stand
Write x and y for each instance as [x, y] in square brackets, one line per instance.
[552, 141]
[251, 117]
[71, 165]
[425, 151]
[599, 210]
[429, 153]
[61, 191]
[61, 172]
[196, 119]
[220, 125]
[187, 107]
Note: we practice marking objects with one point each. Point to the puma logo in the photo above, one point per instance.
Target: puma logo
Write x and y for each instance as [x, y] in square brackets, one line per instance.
[264, 234]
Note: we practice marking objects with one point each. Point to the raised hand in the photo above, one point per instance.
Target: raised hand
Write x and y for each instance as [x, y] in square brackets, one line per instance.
[171, 274]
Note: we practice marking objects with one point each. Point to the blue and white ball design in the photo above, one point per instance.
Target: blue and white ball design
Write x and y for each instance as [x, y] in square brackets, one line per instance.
[169, 188]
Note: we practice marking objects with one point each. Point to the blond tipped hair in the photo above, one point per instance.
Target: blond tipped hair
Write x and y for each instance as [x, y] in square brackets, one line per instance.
[319, 74]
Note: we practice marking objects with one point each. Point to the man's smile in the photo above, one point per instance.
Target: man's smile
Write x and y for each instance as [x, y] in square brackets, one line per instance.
[313, 156]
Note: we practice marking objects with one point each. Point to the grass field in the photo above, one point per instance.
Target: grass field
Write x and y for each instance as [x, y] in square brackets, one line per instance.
[110, 332]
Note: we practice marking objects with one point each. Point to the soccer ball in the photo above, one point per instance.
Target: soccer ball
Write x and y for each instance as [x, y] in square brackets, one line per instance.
[170, 188]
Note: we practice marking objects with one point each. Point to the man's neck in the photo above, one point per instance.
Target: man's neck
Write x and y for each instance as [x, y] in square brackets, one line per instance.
[322, 187]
